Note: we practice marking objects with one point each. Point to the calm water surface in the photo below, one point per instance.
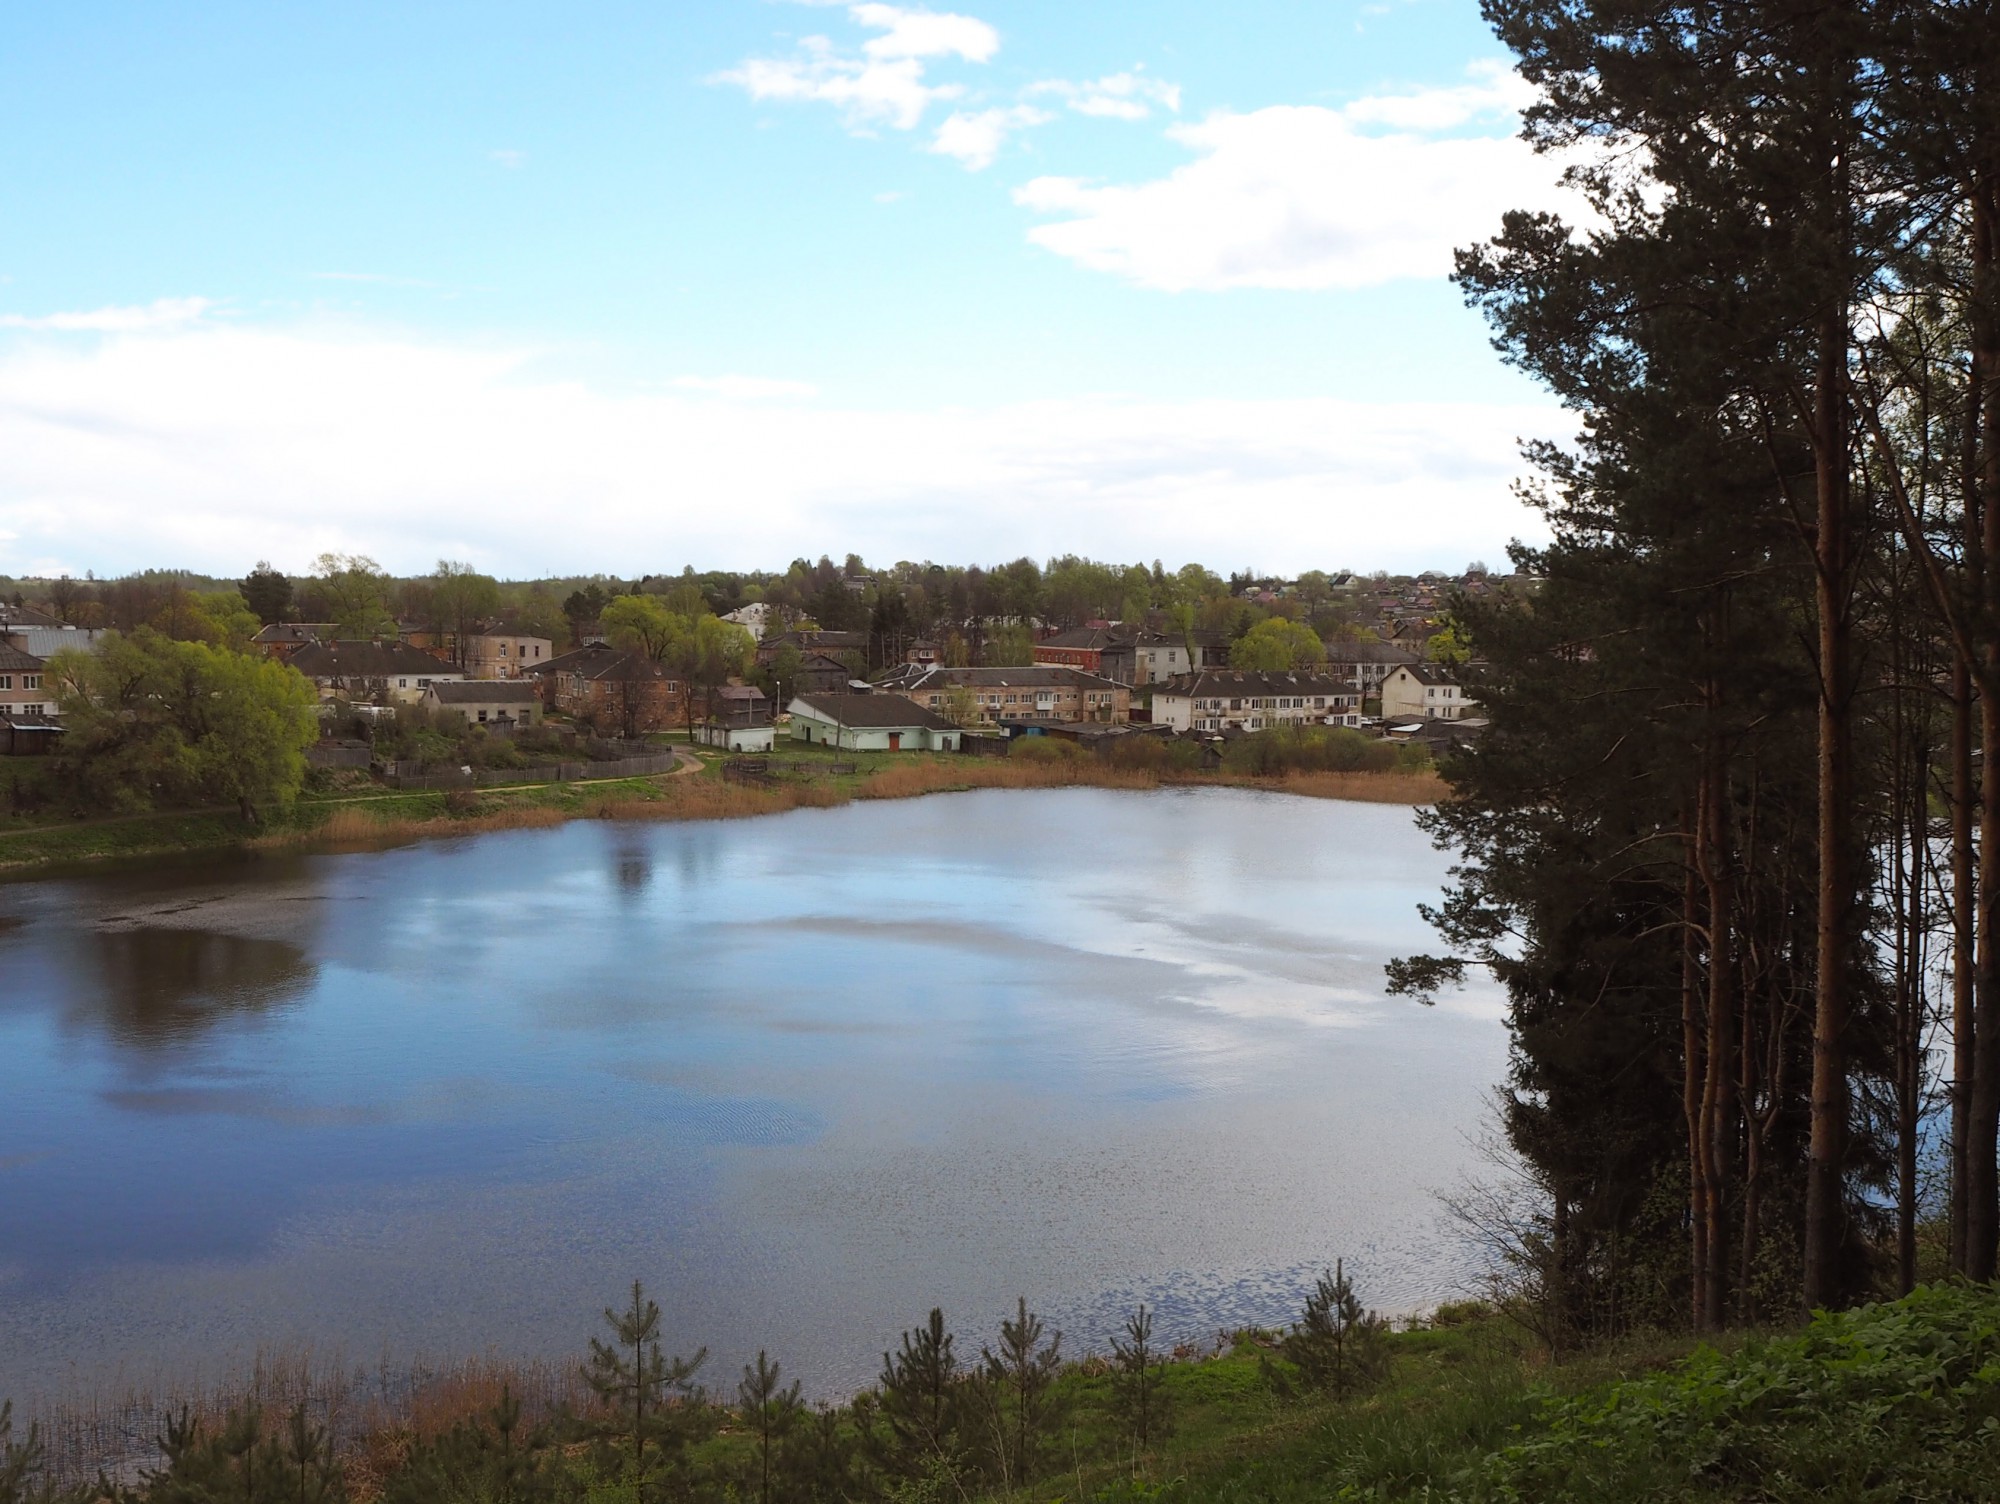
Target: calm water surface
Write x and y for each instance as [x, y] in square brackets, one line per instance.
[806, 1076]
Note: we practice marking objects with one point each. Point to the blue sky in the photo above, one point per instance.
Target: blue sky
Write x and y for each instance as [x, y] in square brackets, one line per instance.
[727, 281]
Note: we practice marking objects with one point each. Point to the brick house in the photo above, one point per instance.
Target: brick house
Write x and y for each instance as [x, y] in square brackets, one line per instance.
[612, 691]
[376, 670]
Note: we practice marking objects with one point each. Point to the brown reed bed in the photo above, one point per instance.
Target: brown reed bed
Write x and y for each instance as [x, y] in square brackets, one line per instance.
[359, 825]
[373, 1415]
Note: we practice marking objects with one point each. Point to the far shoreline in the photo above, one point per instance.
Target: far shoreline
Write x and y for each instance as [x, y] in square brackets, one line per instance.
[344, 822]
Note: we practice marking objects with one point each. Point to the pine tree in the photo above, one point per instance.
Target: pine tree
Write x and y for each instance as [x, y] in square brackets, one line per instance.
[491, 1460]
[637, 1384]
[21, 1480]
[1018, 1389]
[1138, 1391]
[1336, 1346]
[770, 1411]
[919, 1402]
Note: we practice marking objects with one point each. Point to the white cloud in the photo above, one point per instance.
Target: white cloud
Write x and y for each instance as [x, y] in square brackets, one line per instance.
[162, 313]
[746, 386]
[1116, 96]
[507, 156]
[214, 445]
[885, 83]
[975, 137]
[1305, 197]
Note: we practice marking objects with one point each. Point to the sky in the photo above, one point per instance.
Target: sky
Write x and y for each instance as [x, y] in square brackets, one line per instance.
[620, 287]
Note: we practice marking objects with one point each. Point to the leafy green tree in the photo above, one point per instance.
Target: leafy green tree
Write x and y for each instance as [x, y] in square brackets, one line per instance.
[538, 614]
[1449, 646]
[460, 598]
[1336, 1347]
[356, 591]
[157, 723]
[1020, 1395]
[1009, 647]
[643, 624]
[1138, 1383]
[266, 592]
[708, 654]
[770, 1409]
[1277, 645]
[638, 1386]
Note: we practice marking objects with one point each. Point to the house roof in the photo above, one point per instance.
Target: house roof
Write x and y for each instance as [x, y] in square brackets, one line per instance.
[746, 692]
[15, 660]
[484, 692]
[1368, 652]
[921, 678]
[874, 712]
[616, 667]
[565, 661]
[1089, 639]
[820, 641]
[1215, 682]
[46, 642]
[369, 660]
[26, 616]
[1428, 673]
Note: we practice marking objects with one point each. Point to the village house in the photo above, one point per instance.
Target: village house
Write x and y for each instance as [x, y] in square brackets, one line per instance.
[372, 670]
[1106, 651]
[754, 618]
[1243, 700]
[810, 640]
[871, 723]
[1366, 664]
[486, 702]
[1424, 691]
[1033, 693]
[741, 721]
[615, 691]
[504, 652]
[28, 719]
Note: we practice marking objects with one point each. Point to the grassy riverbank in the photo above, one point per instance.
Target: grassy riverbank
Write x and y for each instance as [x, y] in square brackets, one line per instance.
[1890, 1402]
[368, 815]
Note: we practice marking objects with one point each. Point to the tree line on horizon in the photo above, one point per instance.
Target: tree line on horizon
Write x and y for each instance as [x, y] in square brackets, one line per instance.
[1729, 842]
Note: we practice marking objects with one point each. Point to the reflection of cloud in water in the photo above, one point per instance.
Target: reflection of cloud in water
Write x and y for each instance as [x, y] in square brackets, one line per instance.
[163, 987]
[699, 1121]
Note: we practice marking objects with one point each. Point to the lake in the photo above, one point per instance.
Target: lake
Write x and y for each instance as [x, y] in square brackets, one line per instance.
[807, 1076]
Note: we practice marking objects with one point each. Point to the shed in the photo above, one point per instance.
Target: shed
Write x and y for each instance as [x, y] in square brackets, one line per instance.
[871, 723]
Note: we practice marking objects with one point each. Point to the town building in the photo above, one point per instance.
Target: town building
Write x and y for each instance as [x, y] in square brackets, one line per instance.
[28, 719]
[501, 651]
[871, 723]
[613, 691]
[373, 669]
[1366, 664]
[487, 702]
[1424, 691]
[1245, 700]
[1034, 692]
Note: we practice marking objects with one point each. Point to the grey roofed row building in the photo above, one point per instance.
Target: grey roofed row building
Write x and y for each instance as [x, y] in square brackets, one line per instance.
[871, 723]
[1228, 699]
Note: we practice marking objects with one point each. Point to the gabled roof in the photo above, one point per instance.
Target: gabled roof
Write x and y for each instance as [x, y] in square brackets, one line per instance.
[617, 667]
[563, 662]
[27, 616]
[484, 692]
[1218, 682]
[1368, 652]
[874, 712]
[1089, 639]
[1428, 673]
[15, 660]
[367, 659]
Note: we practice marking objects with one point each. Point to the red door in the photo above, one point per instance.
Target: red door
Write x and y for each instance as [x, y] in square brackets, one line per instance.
[895, 741]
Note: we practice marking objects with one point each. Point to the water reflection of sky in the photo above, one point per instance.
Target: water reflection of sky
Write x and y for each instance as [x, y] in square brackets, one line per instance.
[806, 1075]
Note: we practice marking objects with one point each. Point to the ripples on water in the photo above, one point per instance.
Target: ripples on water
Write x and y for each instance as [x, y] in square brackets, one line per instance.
[806, 1076]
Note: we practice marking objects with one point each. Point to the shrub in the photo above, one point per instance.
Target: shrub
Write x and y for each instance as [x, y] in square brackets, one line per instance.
[1045, 749]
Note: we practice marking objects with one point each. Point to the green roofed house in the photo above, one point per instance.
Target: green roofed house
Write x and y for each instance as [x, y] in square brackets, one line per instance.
[871, 723]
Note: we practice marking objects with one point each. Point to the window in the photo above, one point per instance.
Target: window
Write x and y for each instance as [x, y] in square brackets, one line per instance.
[31, 681]
[402, 684]
[482, 715]
[32, 709]
[503, 654]
[423, 684]
[7, 681]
